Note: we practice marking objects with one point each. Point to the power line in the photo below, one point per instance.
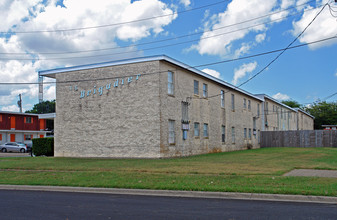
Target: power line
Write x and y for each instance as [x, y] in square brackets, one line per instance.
[114, 24]
[183, 36]
[145, 49]
[258, 73]
[192, 67]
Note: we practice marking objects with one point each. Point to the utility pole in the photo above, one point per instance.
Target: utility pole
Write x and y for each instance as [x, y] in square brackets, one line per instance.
[20, 103]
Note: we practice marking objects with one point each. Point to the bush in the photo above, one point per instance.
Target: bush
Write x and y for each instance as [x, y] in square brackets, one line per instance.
[43, 146]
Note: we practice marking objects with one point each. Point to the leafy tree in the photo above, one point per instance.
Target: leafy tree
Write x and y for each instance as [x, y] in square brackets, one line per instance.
[292, 103]
[43, 107]
[325, 113]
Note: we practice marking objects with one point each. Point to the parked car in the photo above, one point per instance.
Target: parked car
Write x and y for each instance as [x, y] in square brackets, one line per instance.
[29, 148]
[13, 147]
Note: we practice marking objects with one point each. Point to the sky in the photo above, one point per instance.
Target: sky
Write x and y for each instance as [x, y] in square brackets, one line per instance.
[39, 35]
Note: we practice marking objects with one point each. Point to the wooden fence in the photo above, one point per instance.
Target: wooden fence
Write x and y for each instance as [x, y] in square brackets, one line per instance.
[310, 138]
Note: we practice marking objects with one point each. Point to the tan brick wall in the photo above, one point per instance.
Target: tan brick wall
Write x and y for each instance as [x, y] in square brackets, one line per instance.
[203, 111]
[122, 122]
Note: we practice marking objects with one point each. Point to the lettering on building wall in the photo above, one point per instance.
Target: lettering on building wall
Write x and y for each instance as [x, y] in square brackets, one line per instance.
[99, 90]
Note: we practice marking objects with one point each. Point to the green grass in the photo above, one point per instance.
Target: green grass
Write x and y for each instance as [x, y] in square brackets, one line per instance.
[252, 171]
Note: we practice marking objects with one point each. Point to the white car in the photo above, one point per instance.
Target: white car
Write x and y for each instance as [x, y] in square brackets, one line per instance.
[13, 147]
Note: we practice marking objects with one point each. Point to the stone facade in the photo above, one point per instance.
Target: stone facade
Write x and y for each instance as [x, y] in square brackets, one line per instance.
[149, 108]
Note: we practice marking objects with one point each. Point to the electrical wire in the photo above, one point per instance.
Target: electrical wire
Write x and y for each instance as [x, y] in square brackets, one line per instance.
[182, 36]
[114, 24]
[192, 67]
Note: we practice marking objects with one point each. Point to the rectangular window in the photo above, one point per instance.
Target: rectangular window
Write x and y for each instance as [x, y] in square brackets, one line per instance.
[245, 133]
[266, 108]
[222, 99]
[196, 87]
[170, 85]
[258, 110]
[250, 133]
[28, 137]
[204, 90]
[233, 102]
[184, 112]
[233, 135]
[244, 103]
[205, 130]
[281, 113]
[171, 136]
[249, 106]
[196, 129]
[28, 120]
[223, 134]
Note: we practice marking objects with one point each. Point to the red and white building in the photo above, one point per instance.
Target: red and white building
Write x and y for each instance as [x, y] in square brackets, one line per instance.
[23, 127]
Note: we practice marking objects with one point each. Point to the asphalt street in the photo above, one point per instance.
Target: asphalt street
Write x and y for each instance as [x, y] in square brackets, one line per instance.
[63, 205]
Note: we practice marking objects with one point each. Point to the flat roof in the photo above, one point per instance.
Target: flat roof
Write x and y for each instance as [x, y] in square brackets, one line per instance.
[51, 73]
[41, 116]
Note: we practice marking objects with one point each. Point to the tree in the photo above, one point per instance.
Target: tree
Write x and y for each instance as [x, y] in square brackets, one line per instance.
[292, 103]
[43, 107]
[325, 113]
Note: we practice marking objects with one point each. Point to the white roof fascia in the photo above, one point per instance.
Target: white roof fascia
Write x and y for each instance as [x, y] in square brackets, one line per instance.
[52, 72]
[274, 100]
[47, 116]
[18, 113]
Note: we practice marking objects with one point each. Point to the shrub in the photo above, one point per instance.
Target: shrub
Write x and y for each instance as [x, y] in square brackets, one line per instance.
[43, 146]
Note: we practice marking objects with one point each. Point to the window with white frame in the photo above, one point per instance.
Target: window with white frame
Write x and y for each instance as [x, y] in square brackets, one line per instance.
[233, 102]
[170, 85]
[249, 105]
[28, 137]
[196, 129]
[223, 134]
[244, 103]
[206, 130]
[28, 120]
[266, 108]
[196, 87]
[233, 135]
[222, 99]
[204, 90]
[171, 136]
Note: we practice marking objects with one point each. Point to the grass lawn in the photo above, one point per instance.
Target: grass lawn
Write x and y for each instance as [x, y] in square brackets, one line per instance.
[256, 171]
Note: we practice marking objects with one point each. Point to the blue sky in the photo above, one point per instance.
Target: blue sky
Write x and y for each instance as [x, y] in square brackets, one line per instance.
[191, 31]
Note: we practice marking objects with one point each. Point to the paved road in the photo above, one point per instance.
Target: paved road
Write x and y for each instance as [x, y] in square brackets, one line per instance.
[61, 205]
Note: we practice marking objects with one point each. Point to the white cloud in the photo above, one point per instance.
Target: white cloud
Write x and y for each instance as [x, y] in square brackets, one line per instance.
[11, 108]
[185, 2]
[336, 73]
[323, 27]
[243, 70]
[237, 11]
[260, 37]
[212, 72]
[31, 15]
[281, 97]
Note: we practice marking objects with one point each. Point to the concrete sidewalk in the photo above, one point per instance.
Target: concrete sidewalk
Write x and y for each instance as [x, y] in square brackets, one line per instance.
[173, 193]
[313, 172]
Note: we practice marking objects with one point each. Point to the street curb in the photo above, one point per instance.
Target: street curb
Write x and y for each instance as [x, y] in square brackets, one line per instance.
[174, 193]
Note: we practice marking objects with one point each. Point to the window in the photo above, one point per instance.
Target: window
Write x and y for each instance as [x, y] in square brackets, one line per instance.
[28, 137]
[245, 133]
[204, 90]
[222, 99]
[223, 134]
[258, 109]
[206, 130]
[170, 85]
[233, 135]
[184, 112]
[250, 133]
[249, 106]
[171, 136]
[196, 129]
[244, 103]
[28, 120]
[281, 113]
[233, 102]
[266, 108]
[196, 87]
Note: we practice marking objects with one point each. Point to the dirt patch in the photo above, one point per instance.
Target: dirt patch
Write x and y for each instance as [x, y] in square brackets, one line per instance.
[310, 172]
